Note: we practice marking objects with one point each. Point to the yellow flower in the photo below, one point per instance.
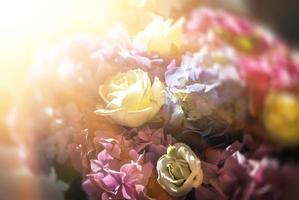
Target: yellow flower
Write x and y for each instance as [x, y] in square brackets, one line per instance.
[179, 170]
[161, 36]
[281, 117]
[131, 100]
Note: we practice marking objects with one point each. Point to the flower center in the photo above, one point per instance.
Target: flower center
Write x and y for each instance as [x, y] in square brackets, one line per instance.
[178, 168]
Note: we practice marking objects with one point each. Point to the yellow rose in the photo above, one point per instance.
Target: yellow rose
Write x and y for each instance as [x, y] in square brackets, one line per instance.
[160, 36]
[131, 100]
[281, 117]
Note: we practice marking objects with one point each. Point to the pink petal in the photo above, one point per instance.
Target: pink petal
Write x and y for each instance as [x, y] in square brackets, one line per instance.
[126, 192]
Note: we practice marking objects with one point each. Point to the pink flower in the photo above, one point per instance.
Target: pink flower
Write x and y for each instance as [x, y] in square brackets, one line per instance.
[127, 183]
[223, 28]
[115, 153]
[268, 71]
[273, 70]
[206, 19]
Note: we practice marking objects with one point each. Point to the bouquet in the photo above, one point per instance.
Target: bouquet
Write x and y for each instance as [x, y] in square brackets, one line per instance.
[201, 107]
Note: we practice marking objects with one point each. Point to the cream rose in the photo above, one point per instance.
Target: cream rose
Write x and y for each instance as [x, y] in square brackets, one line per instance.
[179, 170]
[160, 36]
[131, 99]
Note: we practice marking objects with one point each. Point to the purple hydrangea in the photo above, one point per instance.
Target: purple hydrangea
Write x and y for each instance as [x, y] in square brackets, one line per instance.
[153, 143]
[124, 166]
[127, 183]
[206, 93]
[118, 51]
[245, 171]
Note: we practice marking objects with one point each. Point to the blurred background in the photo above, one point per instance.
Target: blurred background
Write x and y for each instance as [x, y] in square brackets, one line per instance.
[29, 25]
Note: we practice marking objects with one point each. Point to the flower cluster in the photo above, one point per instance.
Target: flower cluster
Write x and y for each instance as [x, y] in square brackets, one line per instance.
[108, 112]
[227, 28]
[272, 71]
[246, 171]
[125, 164]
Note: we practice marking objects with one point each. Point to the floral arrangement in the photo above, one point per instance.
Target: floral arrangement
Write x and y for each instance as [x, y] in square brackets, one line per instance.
[204, 107]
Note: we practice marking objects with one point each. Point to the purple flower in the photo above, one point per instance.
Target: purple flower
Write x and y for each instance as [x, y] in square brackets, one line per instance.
[206, 94]
[127, 183]
[115, 153]
[118, 51]
[111, 177]
[152, 143]
[230, 174]
[111, 146]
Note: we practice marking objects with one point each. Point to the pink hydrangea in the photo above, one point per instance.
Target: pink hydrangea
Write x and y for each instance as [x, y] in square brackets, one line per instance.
[273, 70]
[224, 28]
[127, 183]
[205, 19]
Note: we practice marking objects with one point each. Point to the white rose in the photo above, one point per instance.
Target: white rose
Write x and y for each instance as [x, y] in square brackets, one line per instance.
[179, 170]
